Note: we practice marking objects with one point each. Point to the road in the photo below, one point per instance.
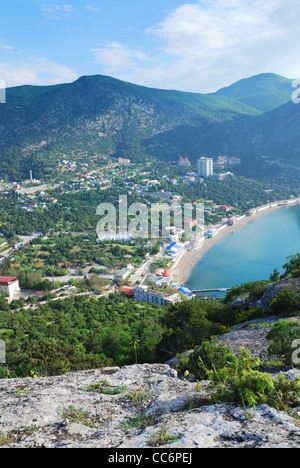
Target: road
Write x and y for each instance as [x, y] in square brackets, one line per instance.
[145, 268]
[40, 188]
[25, 240]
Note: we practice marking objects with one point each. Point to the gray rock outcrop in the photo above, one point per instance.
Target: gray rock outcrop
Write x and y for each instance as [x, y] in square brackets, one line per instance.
[245, 302]
[32, 413]
[133, 406]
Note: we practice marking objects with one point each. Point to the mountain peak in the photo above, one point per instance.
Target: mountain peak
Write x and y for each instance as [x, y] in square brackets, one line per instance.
[265, 91]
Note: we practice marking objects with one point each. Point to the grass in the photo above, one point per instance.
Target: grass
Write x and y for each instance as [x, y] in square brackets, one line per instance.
[104, 387]
[79, 416]
[162, 438]
[140, 396]
[22, 391]
[10, 438]
[141, 421]
[6, 439]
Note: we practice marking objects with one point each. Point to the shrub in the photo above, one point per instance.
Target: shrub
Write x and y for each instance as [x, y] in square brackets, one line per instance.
[254, 289]
[187, 326]
[210, 355]
[241, 382]
[285, 303]
[51, 358]
[282, 335]
[292, 268]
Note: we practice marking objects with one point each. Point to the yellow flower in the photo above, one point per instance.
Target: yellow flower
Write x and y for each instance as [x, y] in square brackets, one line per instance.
[186, 373]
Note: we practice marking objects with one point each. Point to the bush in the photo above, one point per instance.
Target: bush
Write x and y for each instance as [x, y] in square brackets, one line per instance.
[285, 303]
[187, 326]
[241, 382]
[211, 355]
[254, 290]
[282, 336]
[292, 268]
[54, 359]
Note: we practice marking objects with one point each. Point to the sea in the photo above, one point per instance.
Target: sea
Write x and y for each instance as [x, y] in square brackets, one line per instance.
[250, 253]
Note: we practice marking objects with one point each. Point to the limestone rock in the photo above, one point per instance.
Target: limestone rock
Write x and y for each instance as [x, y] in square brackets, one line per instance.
[32, 413]
[136, 404]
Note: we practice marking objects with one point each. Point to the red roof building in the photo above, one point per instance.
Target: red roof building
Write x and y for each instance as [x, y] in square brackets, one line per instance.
[7, 280]
[184, 162]
[228, 208]
[129, 292]
[158, 272]
[190, 223]
[9, 286]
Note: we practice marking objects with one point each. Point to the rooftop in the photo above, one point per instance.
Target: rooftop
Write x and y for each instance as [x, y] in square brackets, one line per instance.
[7, 280]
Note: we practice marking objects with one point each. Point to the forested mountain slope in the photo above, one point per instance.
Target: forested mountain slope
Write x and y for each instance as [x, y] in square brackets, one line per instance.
[99, 116]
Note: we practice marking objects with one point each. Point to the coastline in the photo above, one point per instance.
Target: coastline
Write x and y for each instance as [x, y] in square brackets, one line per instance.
[188, 260]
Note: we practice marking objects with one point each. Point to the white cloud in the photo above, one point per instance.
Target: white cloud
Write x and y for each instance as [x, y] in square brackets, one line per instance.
[57, 11]
[115, 56]
[197, 30]
[213, 43]
[35, 71]
[207, 44]
[6, 47]
[92, 8]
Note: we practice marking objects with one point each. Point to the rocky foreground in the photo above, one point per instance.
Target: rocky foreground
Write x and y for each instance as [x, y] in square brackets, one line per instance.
[138, 406]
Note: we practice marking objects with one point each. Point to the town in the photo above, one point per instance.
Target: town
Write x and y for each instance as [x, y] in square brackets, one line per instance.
[50, 254]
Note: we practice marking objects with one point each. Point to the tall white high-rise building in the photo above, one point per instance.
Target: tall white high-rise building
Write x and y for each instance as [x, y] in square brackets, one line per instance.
[205, 167]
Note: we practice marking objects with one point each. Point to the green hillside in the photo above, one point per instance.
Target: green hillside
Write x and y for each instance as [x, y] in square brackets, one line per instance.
[265, 92]
[98, 117]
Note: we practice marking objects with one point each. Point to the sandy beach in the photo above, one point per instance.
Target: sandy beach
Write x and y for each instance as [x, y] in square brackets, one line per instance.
[188, 260]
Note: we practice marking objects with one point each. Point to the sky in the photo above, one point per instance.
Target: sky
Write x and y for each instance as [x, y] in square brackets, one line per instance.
[196, 46]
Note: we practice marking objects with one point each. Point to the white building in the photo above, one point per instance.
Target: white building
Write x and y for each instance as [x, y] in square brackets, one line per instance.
[9, 286]
[205, 167]
[173, 234]
[175, 249]
[143, 294]
[222, 176]
[123, 274]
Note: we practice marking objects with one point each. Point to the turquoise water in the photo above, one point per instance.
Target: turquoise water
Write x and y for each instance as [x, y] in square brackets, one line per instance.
[251, 253]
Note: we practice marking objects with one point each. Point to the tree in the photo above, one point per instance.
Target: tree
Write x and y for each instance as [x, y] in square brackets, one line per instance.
[275, 275]
[187, 326]
[292, 268]
[286, 302]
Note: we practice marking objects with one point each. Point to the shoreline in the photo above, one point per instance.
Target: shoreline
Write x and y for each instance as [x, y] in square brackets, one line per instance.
[188, 260]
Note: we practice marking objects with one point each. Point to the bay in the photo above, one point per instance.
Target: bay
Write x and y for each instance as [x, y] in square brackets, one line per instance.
[250, 253]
